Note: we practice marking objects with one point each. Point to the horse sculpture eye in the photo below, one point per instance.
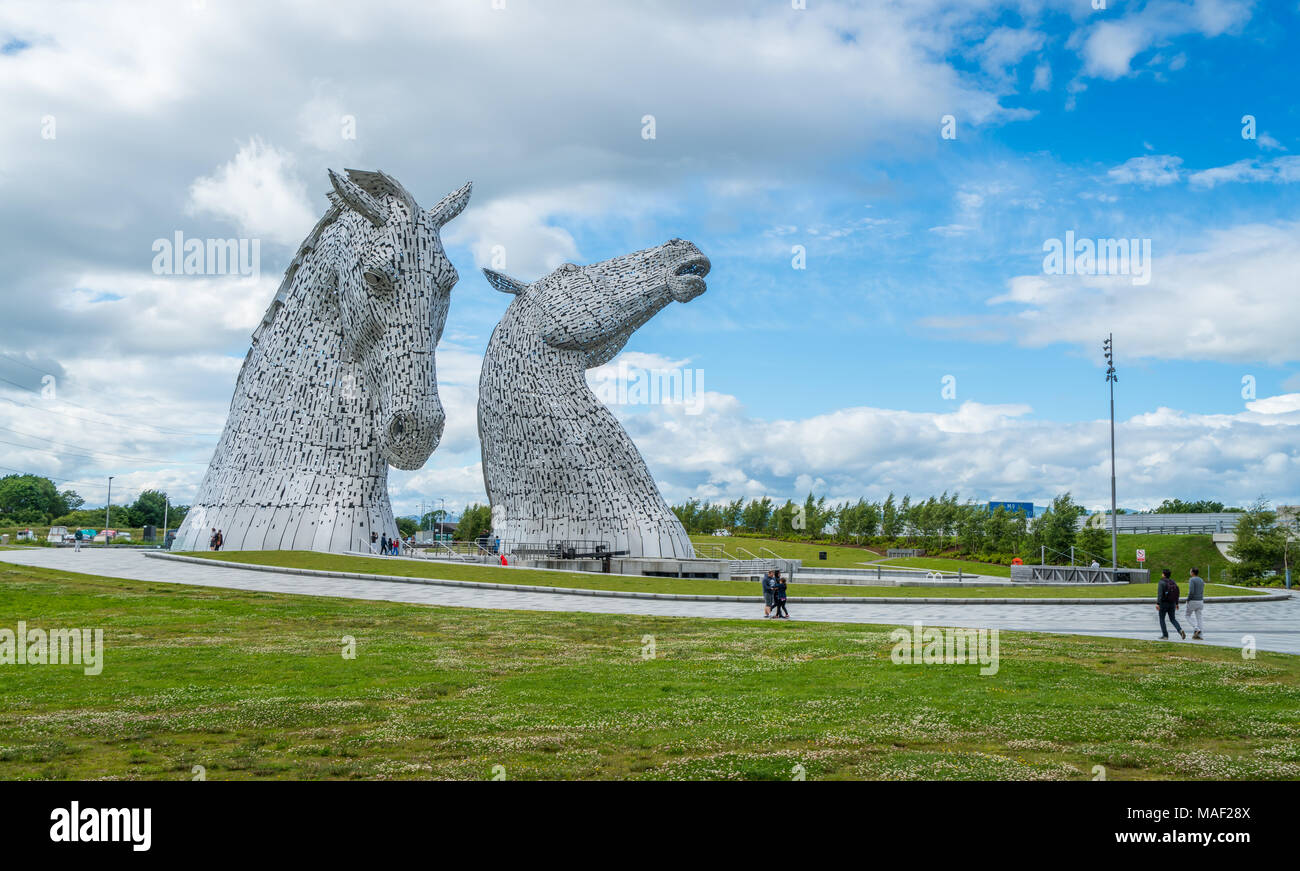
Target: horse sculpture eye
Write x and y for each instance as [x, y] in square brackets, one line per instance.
[378, 282]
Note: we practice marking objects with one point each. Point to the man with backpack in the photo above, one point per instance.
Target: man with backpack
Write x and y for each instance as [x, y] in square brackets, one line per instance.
[1196, 604]
[1167, 605]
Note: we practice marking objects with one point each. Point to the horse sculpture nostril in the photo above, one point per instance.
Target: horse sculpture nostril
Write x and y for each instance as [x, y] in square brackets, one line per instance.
[686, 280]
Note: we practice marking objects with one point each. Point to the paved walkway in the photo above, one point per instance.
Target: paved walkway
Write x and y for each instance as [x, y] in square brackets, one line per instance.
[1274, 625]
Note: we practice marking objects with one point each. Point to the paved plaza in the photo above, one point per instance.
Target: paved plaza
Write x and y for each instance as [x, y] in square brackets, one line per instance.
[1275, 625]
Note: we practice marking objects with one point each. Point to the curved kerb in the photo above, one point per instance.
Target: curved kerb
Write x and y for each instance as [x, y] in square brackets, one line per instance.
[690, 597]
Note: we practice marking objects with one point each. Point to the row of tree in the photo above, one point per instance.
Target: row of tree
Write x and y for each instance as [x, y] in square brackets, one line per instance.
[1200, 506]
[35, 500]
[937, 523]
[475, 520]
[1266, 541]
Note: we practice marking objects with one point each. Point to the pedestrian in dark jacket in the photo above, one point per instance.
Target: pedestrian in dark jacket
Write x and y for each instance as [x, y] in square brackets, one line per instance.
[769, 595]
[778, 595]
[1167, 605]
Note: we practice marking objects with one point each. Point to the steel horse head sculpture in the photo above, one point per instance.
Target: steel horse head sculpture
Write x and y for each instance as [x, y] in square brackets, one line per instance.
[556, 463]
[340, 381]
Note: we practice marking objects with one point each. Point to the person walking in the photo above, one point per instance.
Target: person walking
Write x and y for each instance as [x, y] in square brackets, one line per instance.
[1167, 605]
[768, 594]
[778, 596]
[212, 539]
[374, 542]
[221, 539]
[1196, 604]
[76, 547]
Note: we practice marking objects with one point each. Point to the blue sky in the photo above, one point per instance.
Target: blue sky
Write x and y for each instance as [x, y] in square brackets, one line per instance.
[774, 127]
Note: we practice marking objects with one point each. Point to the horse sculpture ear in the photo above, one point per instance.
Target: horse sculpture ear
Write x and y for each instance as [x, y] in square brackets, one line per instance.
[358, 200]
[451, 205]
[504, 283]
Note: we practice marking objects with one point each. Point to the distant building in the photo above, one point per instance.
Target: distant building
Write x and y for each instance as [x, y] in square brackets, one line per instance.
[1219, 523]
[1013, 507]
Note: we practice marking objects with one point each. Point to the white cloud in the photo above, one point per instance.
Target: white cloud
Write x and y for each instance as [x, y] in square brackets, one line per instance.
[1110, 46]
[258, 192]
[1280, 170]
[1283, 404]
[992, 452]
[1042, 77]
[1148, 170]
[951, 229]
[1230, 297]
[1005, 47]
[1268, 143]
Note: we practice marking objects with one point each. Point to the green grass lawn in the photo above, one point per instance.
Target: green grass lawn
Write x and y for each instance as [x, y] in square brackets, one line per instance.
[253, 685]
[699, 586]
[837, 555]
[939, 564]
[1178, 553]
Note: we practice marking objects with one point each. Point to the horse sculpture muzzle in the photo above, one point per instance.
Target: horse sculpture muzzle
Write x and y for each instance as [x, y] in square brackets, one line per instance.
[409, 435]
[686, 278]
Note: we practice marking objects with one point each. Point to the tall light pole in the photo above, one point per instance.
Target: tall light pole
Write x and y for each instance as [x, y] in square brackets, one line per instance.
[108, 507]
[1111, 378]
[167, 506]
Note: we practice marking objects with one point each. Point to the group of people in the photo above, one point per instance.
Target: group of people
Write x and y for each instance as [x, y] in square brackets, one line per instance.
[385, 546]
[1167, 599]
[774, 596]
[216, 539]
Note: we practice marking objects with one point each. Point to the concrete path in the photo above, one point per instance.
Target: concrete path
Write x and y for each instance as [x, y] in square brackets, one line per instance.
[1274, 625]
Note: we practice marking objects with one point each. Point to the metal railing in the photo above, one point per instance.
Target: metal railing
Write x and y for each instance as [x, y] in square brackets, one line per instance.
[1166, 524]
[752, 566]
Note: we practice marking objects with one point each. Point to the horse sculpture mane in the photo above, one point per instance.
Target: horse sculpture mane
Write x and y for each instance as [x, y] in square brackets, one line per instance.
[557, 465]
[339, 381]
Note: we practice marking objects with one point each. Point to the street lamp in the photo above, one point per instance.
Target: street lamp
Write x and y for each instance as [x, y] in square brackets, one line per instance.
[108, 507]
[1111, 378]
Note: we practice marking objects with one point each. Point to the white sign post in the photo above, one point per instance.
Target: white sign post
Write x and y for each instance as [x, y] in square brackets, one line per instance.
[1142, 555]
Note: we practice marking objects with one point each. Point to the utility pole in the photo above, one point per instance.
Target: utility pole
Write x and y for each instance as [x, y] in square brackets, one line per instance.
[1111, 378]
[108, 507]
